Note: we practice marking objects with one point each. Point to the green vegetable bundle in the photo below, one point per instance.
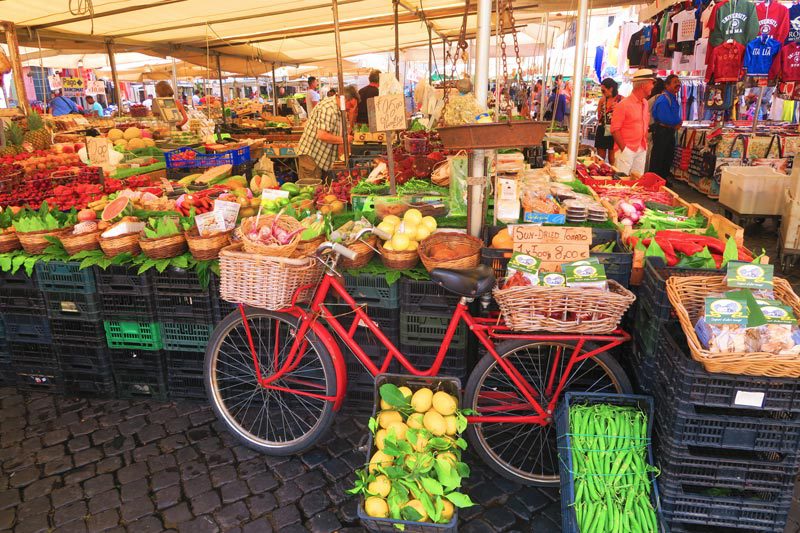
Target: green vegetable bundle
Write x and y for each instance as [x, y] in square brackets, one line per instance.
[675, 219]
[44, 219]
[610, 469]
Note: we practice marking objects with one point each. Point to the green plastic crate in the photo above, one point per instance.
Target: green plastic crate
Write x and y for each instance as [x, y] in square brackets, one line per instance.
[185, 337]
[127, 335]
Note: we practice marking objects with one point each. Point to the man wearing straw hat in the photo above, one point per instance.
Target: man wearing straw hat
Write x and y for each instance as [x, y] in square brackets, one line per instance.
[630, 124]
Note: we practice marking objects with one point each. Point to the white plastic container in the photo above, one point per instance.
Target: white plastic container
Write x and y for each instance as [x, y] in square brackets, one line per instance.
[753, 190]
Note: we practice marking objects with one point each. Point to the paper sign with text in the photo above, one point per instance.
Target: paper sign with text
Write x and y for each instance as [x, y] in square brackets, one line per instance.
[73, 86]
[550, 234]
[387, 113]
[97, 150]
[96, 87]
[54, 82]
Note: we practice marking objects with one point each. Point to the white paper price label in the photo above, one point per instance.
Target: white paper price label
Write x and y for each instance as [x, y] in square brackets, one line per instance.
[97, 149]
[95, 87]
[749, 399]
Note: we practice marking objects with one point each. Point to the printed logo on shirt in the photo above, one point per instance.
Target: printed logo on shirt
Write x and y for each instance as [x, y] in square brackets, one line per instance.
[736, 23]
[794, 33]
[767, 25]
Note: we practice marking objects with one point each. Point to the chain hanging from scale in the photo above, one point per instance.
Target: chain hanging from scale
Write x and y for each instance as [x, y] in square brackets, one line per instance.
[507, 10]
[460, 53]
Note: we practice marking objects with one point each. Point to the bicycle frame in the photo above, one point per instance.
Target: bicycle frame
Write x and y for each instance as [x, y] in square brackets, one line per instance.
[485, 329]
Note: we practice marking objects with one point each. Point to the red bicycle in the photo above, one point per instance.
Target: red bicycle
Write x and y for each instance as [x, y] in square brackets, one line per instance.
[277, 378]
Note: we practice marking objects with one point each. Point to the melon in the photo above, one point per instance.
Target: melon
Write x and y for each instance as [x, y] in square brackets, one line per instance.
[148, 143]
[222, 171]
[121, 142]
[115, 208]
[115, 134]
[132, 133]
[136, 144]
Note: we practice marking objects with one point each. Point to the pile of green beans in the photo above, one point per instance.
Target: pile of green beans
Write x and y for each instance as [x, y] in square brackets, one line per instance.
[610, 469]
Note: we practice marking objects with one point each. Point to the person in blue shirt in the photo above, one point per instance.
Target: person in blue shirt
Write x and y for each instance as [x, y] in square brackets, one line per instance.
[667, 117]
[61, 105]
[95, 108]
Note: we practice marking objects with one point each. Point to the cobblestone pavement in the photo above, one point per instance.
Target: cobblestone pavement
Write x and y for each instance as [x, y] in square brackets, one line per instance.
[77, 465]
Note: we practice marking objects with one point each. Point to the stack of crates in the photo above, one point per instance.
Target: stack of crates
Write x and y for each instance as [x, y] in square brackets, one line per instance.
[7, 375]
[381, 302]
[132, 332]
[425, 313]
[76, 321]
[186, 312]
[28, 335]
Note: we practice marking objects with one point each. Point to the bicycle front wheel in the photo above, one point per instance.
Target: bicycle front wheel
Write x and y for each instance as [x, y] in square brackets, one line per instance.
[275, 422]
[528, 453]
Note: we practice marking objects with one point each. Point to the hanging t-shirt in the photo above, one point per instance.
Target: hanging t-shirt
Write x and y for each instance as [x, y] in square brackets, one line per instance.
[794, 24]
[636, 50]
[787, 65]
[704, 18]
[686, 23]
[700, 50]
[626, 32]
[725, 62]
[664, 26]
[737, 20]
[773, 19]
[759, 55]
[647, 38]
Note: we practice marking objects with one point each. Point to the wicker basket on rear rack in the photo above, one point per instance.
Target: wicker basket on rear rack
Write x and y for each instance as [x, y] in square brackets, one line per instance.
[9, 242]
[564, 309]
[266, 282]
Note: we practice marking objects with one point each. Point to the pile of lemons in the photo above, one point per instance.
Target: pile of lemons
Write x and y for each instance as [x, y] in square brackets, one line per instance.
[407, 232]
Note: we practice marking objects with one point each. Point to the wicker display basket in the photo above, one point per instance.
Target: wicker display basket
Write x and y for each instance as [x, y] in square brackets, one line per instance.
[163, 247]
[307, 248]
[398, 260]
[265, 282]
[285, 222]
[468, 246]
[113, 246]
[9, 242]
[80, 243]
[364, 249]
[688, 294]
[564, 309]
[206, 248]
[35, 242]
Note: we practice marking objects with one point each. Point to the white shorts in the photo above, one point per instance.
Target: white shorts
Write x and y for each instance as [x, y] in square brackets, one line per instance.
[628, 161]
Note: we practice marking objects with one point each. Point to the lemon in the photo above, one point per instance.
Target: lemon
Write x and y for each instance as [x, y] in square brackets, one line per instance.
[381, 486]
[387, 418]
[420, 444]
[449, 457]
[444, 403]
[412, 245]
[447, 512]
[400, 241]
[422, 233]
[399, 429]
[394, 220]
[388, 227]
[417, 506]
[388, 246]
[434, 422]
[406, 392]
[376, 507]
[385, 405]
[415, 421]
[379, 438]
[422, 460]
[413, 215]
[450, 425]
[379, 459]
[409, 229]
[430, 223]
[421, 400]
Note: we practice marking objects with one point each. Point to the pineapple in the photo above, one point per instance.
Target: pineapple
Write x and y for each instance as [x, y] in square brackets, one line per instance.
[37, 134]
[14, 139]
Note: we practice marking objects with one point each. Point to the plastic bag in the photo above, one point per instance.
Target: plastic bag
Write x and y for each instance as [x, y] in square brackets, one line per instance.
[459, 170]
[727, 338]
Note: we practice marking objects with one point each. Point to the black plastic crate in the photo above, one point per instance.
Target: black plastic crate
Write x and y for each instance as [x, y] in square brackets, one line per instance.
[429, 330]
[421, 296]
[647, 329]
[185, 307]
[385, 318]
[181, 362]
[683, 506]
[75, 358]
[128, 306]
[689, 382]
[124, 280]
[178, 280]
[65, 276]
[28, 329]
[182, 336]
[457, 363]
[38, 356]
[31, 379]
[618, 264]
[654, 287]
[140, 383]
[221, 307]
[85, 333]
[145, 360]
[90, 385]
[372, 289]
[186, 387]
[22, 301]
[73, 305]
[18, 280]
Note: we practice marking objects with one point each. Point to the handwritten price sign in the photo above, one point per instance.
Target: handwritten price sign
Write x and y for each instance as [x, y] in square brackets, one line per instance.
[553, 245]
[54, 82]
[95, 87]
[97, 149]
[387, 113]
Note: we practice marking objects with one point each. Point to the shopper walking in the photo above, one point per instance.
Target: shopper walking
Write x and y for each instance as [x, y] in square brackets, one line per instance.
[603, 140]
[365, 93]
[629, 125]
[667, 117]
[322, 136]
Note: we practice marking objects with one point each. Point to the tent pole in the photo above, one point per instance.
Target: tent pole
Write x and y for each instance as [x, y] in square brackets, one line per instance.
[221, 90]
[274, 92]
[545, 83]
[396, 39]
[112, 60]
[16, 65]
[175, 78]
[482, 42]
[430, 56]
[577, 87]
[340, 68]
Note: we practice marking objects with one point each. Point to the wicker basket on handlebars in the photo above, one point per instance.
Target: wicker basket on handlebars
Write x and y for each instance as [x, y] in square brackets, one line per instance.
[307, 248]
[263, 281]
[564, 309]
[286, 223]
[364, 249]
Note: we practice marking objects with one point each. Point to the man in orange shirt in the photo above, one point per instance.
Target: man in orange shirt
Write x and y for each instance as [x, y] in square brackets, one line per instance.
[630, 123]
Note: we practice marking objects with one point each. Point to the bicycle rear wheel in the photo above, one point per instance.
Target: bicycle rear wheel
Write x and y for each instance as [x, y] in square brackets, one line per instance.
[527, 453]
[271, 421]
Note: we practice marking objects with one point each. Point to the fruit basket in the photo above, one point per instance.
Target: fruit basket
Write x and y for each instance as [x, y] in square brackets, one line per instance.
[364, 249]
[9, 241]
[113, 246]
[35, 242]
[164, 247]
[208, 247]
[450, 249]
[81, 242]
[285, 225]
[398, 260]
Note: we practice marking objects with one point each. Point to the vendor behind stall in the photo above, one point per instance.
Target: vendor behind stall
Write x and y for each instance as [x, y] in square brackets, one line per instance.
[318, 148]
[164, 90]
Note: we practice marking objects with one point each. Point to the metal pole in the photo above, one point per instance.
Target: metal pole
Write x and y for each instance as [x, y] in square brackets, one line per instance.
[221, 90]
[16, 65]
[175, 78]
[482, 42]
[396, 40]
[577, 88]
[430, 56]
[545, 65]
[758, 107]
[340, 68]
[274, 92]
[112, 60]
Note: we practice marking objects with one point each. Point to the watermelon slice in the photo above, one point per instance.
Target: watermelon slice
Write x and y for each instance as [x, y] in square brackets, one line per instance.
[115, 208]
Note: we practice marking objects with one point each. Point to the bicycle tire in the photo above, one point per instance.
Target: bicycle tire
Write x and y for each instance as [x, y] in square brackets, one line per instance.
[485, 440]
[228, 337]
